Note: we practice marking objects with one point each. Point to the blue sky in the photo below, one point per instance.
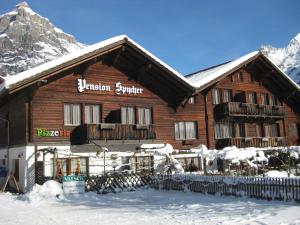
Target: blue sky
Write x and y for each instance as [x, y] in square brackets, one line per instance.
[188, 35]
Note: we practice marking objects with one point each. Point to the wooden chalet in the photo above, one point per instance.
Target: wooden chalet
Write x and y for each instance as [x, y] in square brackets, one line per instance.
[49, 98]
[248, 102]
[117, 95]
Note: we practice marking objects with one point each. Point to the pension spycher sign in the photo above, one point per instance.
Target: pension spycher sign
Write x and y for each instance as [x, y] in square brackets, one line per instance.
[119, 89]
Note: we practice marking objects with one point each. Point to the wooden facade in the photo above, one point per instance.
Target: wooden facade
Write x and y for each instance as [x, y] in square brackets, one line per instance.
[253, 114]
[36, 110]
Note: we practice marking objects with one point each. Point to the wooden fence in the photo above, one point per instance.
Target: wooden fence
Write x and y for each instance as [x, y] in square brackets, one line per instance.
[117, 182]
[284, 189]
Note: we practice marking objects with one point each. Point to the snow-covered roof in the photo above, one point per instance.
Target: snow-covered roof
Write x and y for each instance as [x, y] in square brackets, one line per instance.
[33, 73]
[206, 77]
[282, 72]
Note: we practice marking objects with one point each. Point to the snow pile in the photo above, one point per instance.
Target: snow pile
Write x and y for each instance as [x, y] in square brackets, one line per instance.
[261, 158]
[276, 173]
[235, 155]
[50, 190]
[175, 165]
[204, 152]
[160, 149]
[294, 151]
[169, 165]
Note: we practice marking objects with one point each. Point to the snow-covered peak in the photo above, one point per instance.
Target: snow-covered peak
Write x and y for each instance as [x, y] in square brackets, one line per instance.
[28, 40]
[22, 4]
[287, 58]
[25, 7]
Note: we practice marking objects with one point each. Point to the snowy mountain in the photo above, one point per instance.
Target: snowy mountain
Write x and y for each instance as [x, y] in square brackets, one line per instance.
[288, 58]
[28, 40]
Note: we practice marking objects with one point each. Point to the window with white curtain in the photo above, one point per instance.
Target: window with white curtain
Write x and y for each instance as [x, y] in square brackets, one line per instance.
[239, 130]
[223, 130]
[216, 96]
[273, 100]
[227, 95]
[92, 114]
[252, 98]
[144, 116]
[127, 115]
[264, 99]
[271, 130]
[185, 130]
[72, 114]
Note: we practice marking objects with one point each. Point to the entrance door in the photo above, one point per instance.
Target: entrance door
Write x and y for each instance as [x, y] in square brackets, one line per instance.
[16, 171]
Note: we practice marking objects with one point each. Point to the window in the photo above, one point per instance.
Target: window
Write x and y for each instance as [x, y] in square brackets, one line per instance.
[259, 130]
[72, 114]
[127, 115]
[273, 100]
[237, 77]
[240, 76]
[252, 98]
[92, 114]
[264, 99]
[216, 96]
[69, 166]
[2, 163]
[227, 95]
[223, 130]
[271, 130]
[144, 116]
[240, 130]
[293, 130]
[240, 96]
[191, 100]
[185, 130]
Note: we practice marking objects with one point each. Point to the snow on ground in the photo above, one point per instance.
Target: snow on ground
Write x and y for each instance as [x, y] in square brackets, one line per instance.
[143, 207]
[276, 173]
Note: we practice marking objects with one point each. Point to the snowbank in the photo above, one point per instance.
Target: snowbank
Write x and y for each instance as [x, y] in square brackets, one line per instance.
[160, 149]
[276, 173]
[50, 190]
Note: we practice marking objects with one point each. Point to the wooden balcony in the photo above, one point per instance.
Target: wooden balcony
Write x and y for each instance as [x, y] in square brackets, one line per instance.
[245, 142]
[238, 109]
[111, 131]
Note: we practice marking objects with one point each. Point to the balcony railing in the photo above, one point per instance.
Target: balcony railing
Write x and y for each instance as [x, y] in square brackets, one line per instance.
[245, 142]
[111, 131]
[239, 109]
